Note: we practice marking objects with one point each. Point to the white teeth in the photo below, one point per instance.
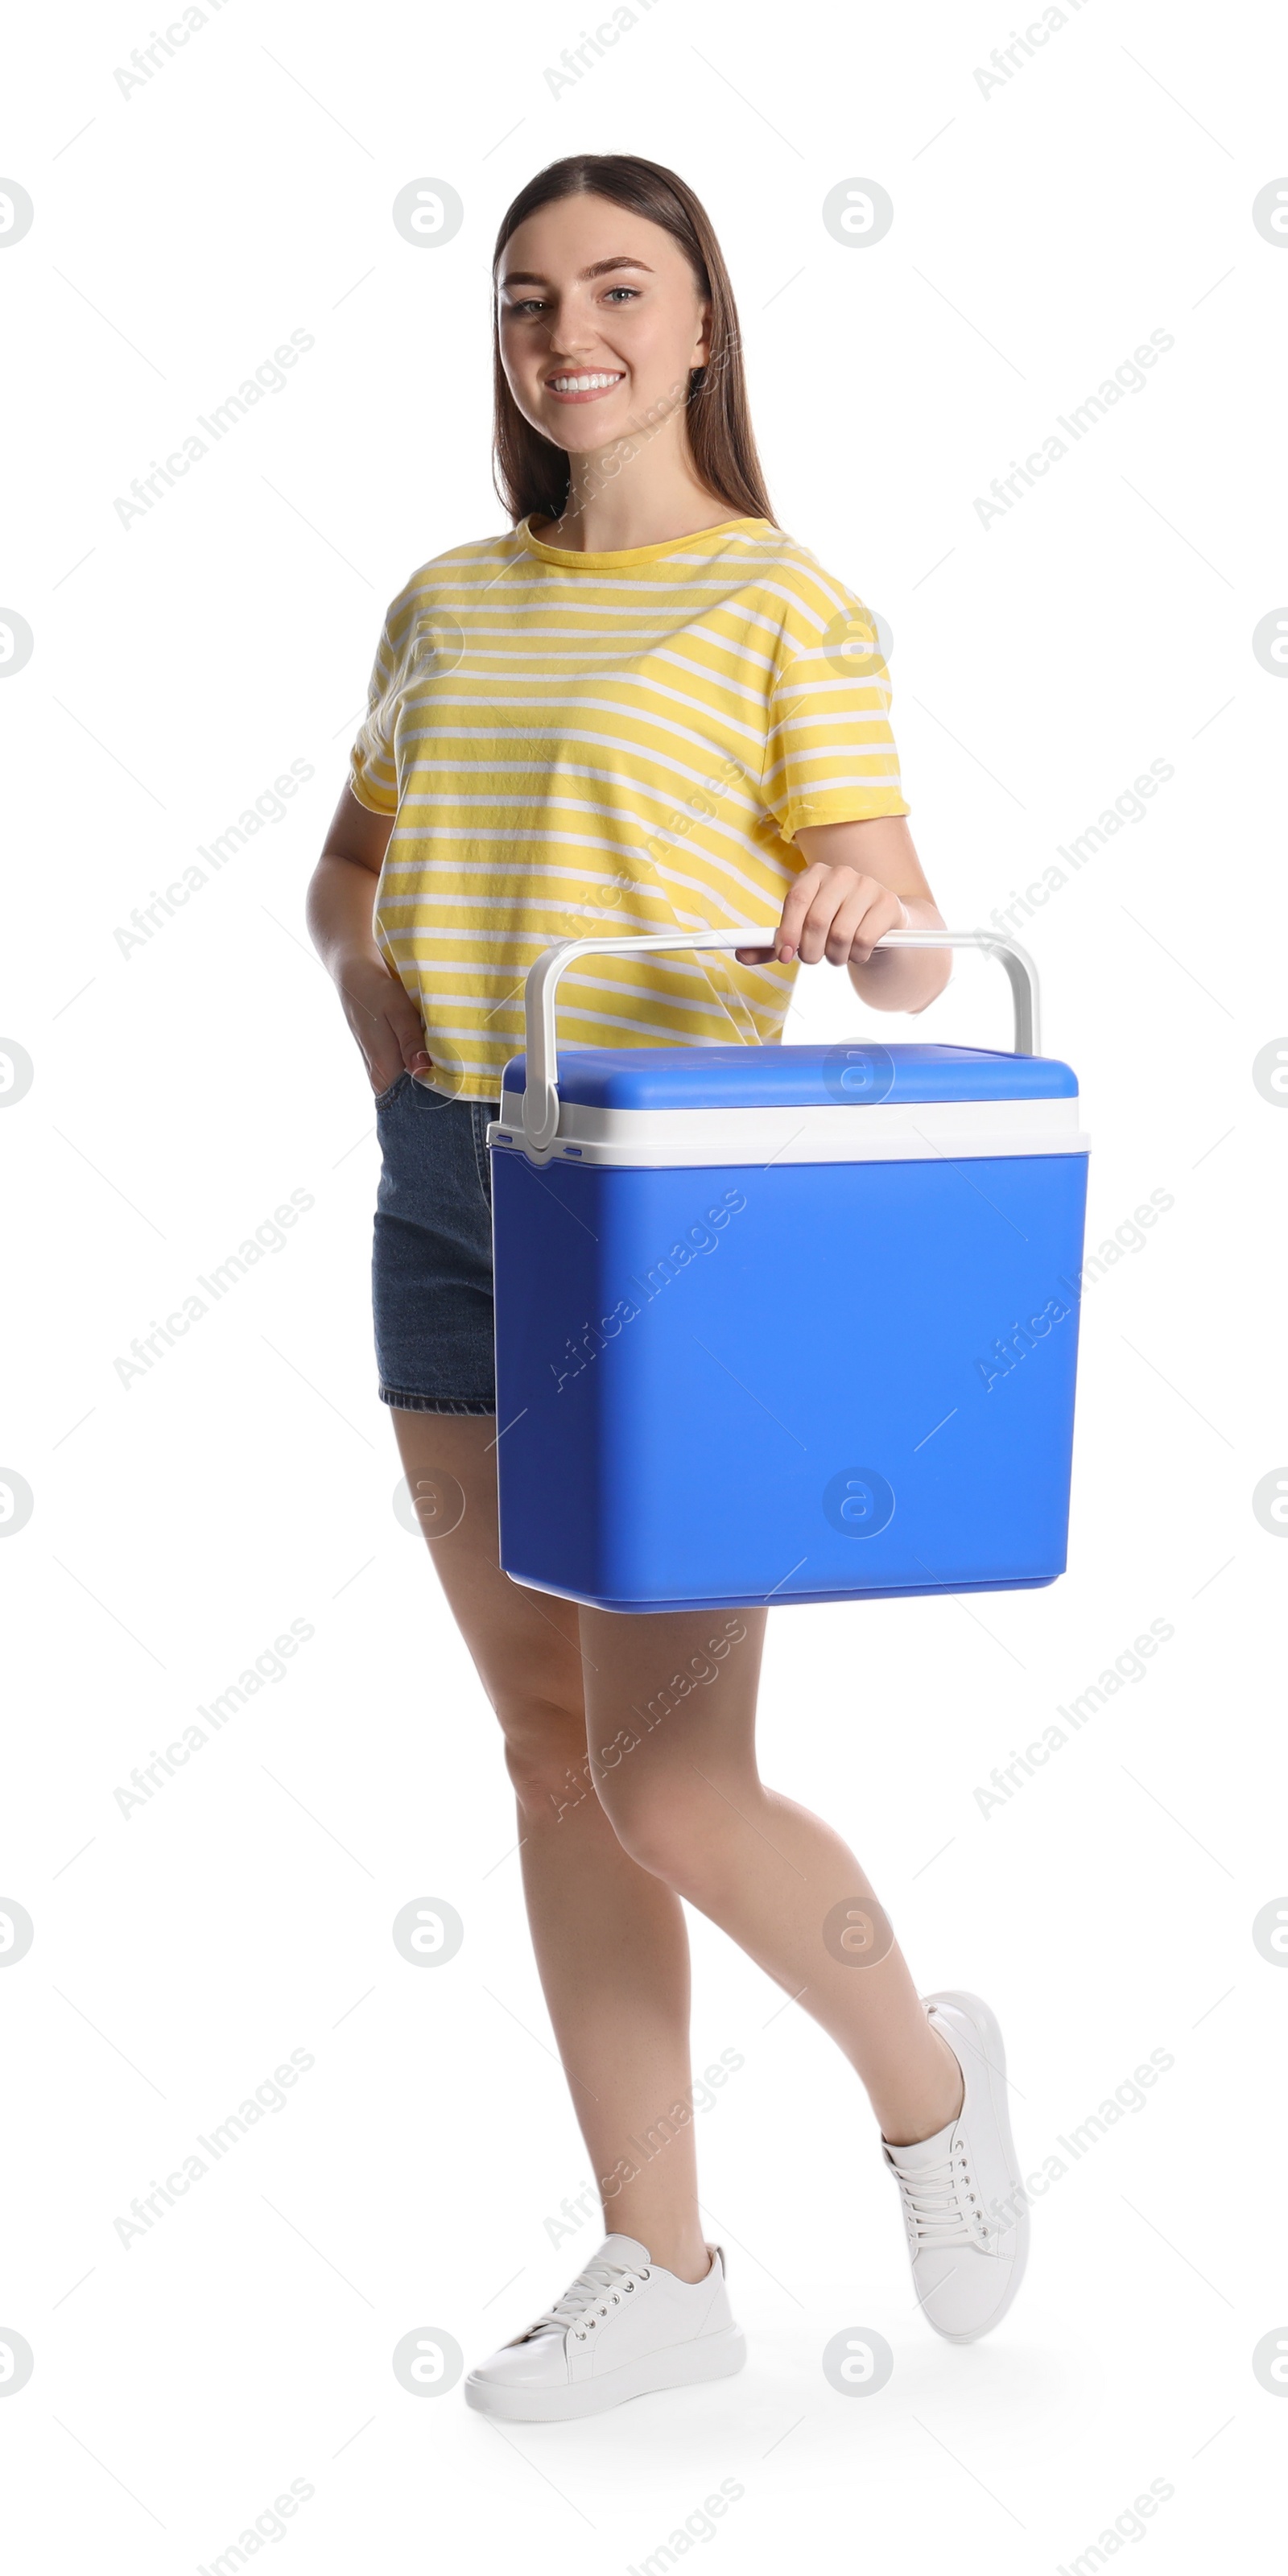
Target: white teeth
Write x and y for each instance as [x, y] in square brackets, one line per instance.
[581, 384]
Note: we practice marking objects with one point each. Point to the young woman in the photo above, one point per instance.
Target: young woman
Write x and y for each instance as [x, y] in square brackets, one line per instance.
[641, 709]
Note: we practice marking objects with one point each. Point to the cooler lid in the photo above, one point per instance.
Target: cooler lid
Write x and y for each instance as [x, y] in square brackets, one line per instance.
[762, 1077]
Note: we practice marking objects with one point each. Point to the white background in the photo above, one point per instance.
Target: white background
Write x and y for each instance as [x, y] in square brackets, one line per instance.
[183, 1090]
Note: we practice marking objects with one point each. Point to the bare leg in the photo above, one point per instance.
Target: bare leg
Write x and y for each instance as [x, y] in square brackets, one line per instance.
[610, 1941]
[671, 1725]
[679, 1810]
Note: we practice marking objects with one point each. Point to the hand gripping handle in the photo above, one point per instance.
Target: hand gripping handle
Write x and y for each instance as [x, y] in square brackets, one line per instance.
[541, 1097]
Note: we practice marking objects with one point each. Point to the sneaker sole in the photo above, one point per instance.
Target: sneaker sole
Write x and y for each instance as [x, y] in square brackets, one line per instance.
[715, 2356]
[988, 2032]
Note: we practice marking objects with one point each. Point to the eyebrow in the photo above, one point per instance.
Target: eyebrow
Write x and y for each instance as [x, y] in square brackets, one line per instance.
[599, 268]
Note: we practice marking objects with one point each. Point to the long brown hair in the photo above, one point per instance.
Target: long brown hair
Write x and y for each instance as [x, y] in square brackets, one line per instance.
[531, 475]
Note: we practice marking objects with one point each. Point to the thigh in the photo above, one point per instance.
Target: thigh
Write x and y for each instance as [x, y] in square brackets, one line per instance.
[675, 1689]
[526, 1645]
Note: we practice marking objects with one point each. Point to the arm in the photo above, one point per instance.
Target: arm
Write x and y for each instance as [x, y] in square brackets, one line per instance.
[859, 880]
[338, 910]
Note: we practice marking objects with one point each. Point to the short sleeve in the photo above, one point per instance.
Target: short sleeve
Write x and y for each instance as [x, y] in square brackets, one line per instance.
[373, 768]
[830, 755]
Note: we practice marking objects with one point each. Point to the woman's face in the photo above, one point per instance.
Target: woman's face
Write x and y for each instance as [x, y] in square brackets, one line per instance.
[600, 321]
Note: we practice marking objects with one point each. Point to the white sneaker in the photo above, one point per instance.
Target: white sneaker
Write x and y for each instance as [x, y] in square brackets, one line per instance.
[964, 2203]
[624, 2327]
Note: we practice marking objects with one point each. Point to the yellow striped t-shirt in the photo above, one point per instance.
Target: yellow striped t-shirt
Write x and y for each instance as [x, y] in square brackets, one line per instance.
[585, 744]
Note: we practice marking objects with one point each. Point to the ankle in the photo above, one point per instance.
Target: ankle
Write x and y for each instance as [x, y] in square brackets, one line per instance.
[687, 2257]
[693, 2267]
[933, 2109]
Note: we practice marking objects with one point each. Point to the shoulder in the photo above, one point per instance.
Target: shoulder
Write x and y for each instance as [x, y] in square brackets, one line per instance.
[806, 600]
[453, 575]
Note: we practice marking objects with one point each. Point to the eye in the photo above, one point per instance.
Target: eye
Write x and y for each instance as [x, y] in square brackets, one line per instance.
[631, 291]
[529, 304]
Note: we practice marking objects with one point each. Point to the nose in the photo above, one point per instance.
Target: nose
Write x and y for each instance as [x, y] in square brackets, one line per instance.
[572, 333]
[571, 346]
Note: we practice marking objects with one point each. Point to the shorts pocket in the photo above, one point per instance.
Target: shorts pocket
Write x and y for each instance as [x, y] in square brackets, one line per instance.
[383, 1098]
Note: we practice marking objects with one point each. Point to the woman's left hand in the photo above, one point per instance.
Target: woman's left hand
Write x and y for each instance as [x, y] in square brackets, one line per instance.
[832, 912]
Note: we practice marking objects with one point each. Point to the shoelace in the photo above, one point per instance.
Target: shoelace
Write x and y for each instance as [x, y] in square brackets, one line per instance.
[587, 2293]
[940, 2203]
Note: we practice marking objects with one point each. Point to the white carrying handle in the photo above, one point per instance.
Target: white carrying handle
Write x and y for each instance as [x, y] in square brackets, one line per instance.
[541, 1096]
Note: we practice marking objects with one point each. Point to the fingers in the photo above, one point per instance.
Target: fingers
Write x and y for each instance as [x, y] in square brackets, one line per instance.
[382, 1077]
[832, 912]
[411, 1037]
[812, 902]
[861, 920]
[800, 896]
[384, 1020]
[398, 1047]
[406, 1031]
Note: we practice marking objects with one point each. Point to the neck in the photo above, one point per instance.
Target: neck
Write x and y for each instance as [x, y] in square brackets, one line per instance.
[637, 492]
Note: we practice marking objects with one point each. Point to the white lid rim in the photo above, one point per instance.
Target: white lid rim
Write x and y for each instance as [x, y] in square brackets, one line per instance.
[881, 1131]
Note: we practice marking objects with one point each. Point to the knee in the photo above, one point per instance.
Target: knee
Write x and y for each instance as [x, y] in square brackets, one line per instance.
[665, 1824]
[545, 1753]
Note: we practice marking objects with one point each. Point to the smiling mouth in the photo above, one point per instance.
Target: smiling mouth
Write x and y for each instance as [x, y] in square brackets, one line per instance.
[586, 387]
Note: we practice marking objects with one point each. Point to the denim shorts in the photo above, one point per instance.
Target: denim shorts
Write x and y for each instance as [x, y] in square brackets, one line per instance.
[431, 1261]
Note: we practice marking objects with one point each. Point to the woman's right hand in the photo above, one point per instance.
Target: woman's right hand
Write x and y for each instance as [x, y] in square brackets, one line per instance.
[382, 1015]
[340, 913]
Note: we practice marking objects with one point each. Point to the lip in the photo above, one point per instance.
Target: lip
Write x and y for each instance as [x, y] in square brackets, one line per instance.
[596, 394]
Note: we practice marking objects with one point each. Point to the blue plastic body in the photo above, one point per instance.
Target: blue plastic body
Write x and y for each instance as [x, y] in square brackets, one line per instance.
[802, 1382]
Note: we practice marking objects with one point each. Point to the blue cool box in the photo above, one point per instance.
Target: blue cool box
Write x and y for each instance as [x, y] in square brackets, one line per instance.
[786, 1323]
